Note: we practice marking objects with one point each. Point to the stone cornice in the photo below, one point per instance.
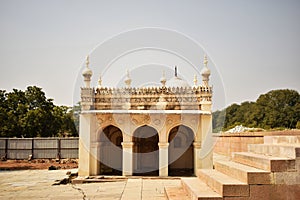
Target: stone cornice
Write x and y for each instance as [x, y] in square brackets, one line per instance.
[147, 112]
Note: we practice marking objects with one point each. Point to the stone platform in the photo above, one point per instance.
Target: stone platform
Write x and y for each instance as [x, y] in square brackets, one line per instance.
[266, 171]
[38, 184]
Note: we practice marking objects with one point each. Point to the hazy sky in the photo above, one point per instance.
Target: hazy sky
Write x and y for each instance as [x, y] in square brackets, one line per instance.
[254, 44]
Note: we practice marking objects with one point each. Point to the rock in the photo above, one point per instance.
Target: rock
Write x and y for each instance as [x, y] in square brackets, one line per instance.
[74, 174]
[64, 181]
[53, 167]
[3, 158]
[62, 162]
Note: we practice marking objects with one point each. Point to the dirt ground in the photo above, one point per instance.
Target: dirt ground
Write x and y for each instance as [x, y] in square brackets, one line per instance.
[39, 164]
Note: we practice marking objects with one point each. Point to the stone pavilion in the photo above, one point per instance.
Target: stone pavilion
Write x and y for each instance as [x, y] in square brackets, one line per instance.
[157, 131]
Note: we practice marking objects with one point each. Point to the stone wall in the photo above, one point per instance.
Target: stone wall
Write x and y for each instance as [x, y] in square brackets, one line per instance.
[226, 143]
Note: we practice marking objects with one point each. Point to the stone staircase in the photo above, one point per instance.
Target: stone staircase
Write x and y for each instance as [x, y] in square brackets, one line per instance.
[267, 171]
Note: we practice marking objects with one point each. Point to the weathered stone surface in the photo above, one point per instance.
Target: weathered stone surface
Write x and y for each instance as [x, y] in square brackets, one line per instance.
[270, 192]
[223, 184]
[197, 189]
[283, 139]
[36, 184]
[176, 193]
[244, 173]
[279, 150]
[270, 163]
[267, 176]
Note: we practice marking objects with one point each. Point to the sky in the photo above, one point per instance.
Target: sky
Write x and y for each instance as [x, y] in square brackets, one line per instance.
[253, 46]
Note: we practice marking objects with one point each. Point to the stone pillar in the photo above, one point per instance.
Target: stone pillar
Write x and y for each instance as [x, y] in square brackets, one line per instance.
[94, 158]
[127, 158]
[163, 158]
[197, 160]
[86, 133]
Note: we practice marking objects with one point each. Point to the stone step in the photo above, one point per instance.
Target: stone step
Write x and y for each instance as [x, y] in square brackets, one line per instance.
[282, 139]
[176, 193]
[280, 150]
[268, 163]
[197, 189]
[223, 184]
[243, 173]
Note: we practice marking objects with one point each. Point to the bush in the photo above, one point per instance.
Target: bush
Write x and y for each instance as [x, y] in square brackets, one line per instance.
[298, 125]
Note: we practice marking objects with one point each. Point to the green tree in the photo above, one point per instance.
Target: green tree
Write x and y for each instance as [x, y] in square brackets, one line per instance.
[275, 109]
[246, 113]
[31, 114]
[280, 108]
[76, 111]
[65, 121]
[298, 125]
[231, 118]
[3, 113]
[16, 109]
[218, 119]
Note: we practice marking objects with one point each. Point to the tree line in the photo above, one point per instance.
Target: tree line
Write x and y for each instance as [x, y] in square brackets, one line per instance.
[275, 109]
[30, 114]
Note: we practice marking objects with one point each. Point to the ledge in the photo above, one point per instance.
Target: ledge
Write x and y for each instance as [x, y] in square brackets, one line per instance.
[258, 134]
[147, 112]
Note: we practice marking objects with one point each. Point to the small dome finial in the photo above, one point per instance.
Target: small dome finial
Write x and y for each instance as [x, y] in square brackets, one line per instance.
[195, 80]
[163, 78]
[175, 71]
[100, 81]
[87, 61]
[128, 79]
[205, 61]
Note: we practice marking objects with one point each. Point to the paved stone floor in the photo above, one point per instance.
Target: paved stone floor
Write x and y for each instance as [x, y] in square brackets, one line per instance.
[37, 184]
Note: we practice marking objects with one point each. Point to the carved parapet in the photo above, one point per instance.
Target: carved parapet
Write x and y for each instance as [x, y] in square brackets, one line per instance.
[186, 98]
[153, 90]
[87, 98]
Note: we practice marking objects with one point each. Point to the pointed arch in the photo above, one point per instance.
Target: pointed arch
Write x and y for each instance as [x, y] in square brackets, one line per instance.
[145, 151]
[111, 138]
[183, 126]
[181, 151]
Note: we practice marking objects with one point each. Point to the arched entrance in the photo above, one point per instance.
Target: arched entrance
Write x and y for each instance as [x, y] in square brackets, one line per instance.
[145, 151]
[181, 153]
[111, 151]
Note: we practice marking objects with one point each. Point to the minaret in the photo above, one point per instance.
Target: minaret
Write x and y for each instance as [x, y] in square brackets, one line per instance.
[128, 80]
[205, 72]
[87, 73]
[87, 93]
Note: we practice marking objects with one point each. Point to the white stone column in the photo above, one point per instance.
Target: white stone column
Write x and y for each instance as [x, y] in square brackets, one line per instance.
[197, 160]
[163, 158]
[127, 158]
[94, 158]
[87, 129]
